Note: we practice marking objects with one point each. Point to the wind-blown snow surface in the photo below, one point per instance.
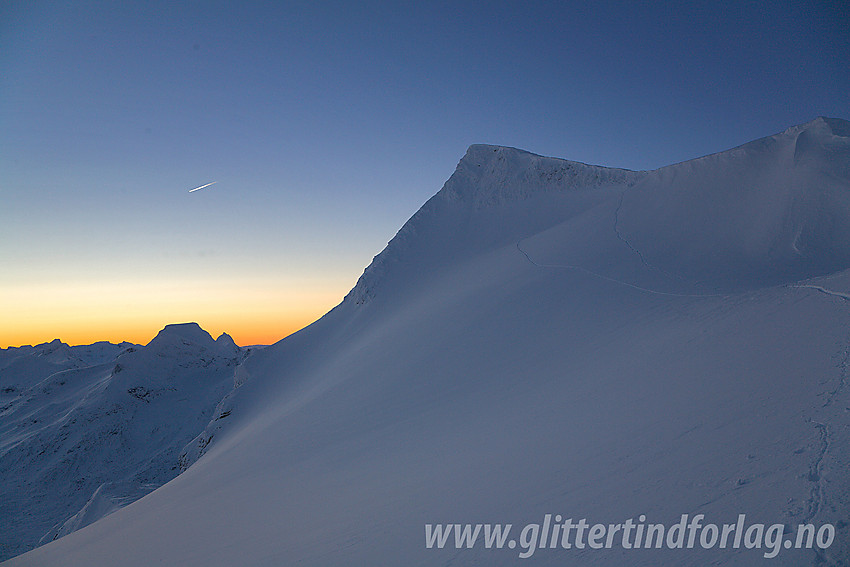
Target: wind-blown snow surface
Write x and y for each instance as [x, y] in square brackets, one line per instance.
[542, 337]
[86, 430]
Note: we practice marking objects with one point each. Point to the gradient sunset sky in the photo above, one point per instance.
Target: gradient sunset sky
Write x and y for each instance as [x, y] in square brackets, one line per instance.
[326, 125]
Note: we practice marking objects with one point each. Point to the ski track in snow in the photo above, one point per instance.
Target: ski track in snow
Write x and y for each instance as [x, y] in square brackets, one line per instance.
[626, 241]
[842, 380]
[817, 498]
[629, 245]
[612, 280]
[622, 238]
[844, 296]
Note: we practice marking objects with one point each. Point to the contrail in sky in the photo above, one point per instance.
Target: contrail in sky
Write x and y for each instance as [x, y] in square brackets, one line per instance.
[202, 186]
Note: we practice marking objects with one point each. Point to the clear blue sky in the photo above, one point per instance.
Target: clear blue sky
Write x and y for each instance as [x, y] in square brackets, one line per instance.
[327, 124]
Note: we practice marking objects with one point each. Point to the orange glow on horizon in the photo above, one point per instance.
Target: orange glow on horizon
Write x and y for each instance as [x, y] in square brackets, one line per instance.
[244, 333]
[79, 314]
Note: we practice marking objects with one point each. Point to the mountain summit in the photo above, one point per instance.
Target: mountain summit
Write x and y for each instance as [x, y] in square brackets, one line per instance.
[769, 212]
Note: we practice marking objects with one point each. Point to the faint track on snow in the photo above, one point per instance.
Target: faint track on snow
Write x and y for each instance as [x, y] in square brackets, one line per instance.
[842, 295]
[610, 279]
[845, 356]
[816, 498]
[842, 378]
[622, 238]
[817, 501]
[625, 240]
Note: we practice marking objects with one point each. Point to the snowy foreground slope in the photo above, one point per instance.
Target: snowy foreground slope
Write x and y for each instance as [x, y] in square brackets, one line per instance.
[545, 337]
[85, 430]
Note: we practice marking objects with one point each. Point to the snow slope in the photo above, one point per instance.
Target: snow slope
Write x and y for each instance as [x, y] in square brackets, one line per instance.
[86, 430]
[544, 337]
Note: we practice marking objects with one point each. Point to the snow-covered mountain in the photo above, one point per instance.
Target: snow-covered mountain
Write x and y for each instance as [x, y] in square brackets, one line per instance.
[546, 339]
[85, 430]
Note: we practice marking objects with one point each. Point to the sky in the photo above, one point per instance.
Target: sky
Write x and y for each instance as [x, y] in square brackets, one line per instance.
[326, 125]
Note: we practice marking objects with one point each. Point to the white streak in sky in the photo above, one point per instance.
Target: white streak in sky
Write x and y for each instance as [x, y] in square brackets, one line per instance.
[202, 186]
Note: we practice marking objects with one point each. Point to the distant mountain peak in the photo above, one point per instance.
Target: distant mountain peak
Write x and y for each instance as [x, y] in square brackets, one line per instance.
[226, 342]
[225, 338]
[50, 346]
[190, 332]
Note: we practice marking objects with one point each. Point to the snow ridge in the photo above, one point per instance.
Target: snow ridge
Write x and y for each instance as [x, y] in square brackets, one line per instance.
[494, 175]
[777, 208]
[489, 177]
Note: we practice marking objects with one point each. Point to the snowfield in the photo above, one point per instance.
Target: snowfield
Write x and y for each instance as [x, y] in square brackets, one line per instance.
[541, 337]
